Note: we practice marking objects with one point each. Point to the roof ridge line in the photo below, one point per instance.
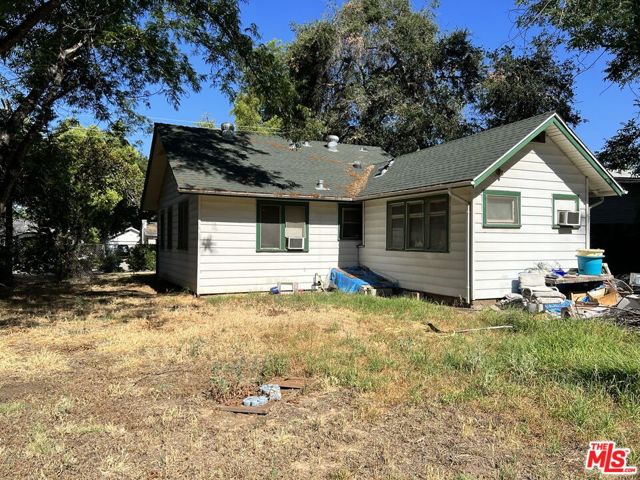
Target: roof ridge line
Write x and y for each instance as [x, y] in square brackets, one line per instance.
[493, 129]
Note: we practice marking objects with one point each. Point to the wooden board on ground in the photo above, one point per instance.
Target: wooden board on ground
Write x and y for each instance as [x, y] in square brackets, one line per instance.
[296, 383]
[263, 410]
[286, 383]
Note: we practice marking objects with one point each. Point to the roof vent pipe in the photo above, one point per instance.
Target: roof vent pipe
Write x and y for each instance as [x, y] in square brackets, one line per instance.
[306, 144]
[320, 185]
[357, 164]
[227, 129]
[332, 144]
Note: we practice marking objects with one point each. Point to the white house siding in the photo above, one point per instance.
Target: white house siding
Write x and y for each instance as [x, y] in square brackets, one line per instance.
[537, 172]
[178, 266]
[229, 262]
[432, 272]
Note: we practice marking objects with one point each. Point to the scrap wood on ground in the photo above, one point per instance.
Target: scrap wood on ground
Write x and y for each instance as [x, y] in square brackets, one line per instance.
[284, 383]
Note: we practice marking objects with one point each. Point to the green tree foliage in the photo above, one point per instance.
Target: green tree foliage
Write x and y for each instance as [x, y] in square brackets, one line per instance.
[84, 185]
[376, 72]
[105, 57]
[521, 86]
[246, 110]
[588, 26]
[622, 151]
[591, 25]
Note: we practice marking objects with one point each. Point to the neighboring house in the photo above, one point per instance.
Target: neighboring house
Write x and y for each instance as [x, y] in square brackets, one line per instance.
[148, 233]
[129, 238]
[239, 213]
[615, 226]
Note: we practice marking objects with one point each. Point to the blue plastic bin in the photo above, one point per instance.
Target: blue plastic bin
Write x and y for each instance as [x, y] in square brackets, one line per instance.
[589, 265]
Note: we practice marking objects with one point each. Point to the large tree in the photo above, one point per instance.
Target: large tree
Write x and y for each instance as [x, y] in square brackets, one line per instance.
[376, 72]
[105, 57]
[609, 26]
[519, 86]
[84, 185]
[622, 151]
[592, 25]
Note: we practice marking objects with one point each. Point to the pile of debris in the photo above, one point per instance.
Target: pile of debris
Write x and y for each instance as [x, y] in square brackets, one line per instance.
[267, 395]
[611, 298]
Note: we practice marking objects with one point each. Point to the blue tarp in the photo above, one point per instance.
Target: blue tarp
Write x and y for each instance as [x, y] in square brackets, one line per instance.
[353, 279]
[345, 282]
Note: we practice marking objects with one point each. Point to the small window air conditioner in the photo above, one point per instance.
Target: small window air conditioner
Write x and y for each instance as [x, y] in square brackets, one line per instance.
[296, 243]
[567, 218]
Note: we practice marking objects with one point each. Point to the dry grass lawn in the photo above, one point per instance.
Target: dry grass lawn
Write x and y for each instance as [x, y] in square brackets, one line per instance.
[106, 378]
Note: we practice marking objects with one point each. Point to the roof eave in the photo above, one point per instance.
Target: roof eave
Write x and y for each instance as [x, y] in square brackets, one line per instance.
[288, 196]
[148, 172]
[411, 191]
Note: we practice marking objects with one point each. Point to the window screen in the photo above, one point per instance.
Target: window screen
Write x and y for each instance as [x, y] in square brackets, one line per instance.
[437, 224]
[395, 231]
[415, 225]
[270, 227]
[501, 209]
[421, 224]
[294, 217]
[351, 222]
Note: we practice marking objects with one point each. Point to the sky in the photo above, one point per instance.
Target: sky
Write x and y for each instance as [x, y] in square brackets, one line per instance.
[490, 23]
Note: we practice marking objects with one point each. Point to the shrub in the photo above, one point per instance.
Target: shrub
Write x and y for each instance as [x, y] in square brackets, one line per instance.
[142, 257]
[110, 263]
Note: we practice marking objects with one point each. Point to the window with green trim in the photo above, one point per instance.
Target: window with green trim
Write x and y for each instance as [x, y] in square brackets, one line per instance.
[563, 201]
[350, 221]
[420, 224]
[282, 226]
[501, 209]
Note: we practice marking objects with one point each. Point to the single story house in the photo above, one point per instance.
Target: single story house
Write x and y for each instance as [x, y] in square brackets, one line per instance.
[129, 238]
[240, 212]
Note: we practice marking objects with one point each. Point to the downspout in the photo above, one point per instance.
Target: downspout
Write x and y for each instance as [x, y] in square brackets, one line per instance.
[468, 240]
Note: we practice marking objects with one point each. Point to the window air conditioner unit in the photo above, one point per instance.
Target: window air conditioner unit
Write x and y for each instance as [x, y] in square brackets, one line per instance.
[295, 243]
[567, 218]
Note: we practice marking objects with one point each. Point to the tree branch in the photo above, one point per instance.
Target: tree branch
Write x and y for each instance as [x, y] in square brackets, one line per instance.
[16, 34]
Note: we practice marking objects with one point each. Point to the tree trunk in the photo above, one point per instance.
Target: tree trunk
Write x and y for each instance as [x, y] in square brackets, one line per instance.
[6, 262]
[39, 102]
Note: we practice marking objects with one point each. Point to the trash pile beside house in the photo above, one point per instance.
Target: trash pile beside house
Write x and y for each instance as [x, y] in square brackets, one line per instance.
[588, 291]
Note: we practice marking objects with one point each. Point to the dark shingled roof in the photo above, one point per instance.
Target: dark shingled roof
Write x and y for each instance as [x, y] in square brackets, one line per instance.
[459, 160]
[204, 159]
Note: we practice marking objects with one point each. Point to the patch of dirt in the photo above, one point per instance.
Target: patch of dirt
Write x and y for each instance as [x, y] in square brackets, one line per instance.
[132, 402]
